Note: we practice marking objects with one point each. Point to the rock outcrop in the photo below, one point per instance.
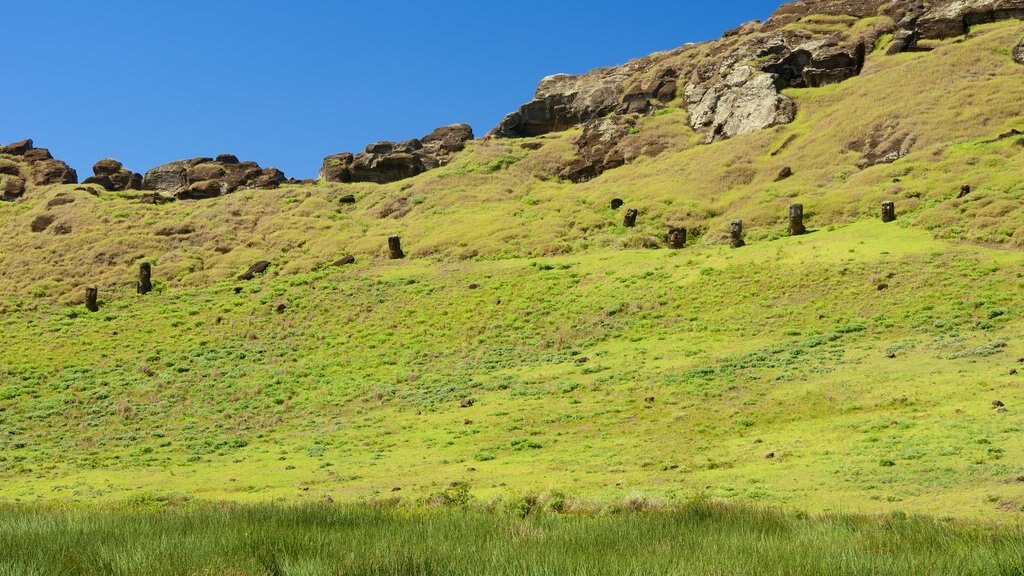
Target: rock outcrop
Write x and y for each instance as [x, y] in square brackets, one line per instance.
[598, 148]
[385, 162]
[114, 177]
[1018, 53]
[732, 86]
[201, 178]
[21, 164]
[949, 18]
[563, 101]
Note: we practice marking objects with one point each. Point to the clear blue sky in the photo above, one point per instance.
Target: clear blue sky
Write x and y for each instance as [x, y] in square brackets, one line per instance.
[286, 83]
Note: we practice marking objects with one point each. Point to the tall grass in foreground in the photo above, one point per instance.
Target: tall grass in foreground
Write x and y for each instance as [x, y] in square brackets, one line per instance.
[698, 539]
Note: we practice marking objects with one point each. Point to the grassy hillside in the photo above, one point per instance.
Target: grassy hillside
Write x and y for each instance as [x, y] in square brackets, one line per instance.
[499, 200]
[852, 369]
[356, 388]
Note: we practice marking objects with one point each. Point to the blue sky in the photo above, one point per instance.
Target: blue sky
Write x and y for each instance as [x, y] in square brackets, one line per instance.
[287, 83]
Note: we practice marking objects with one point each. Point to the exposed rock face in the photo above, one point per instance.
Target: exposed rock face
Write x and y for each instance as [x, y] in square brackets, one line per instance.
[563, 100]
[731, 86]
[385, 162]
[201, 178]
[1018, 53]
[949, 18]
[53, 172]
[736, 101]
[113, 176]
[597, 148]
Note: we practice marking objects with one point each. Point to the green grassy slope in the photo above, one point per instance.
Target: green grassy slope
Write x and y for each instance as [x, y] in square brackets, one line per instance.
[499, 200]
[354, 390]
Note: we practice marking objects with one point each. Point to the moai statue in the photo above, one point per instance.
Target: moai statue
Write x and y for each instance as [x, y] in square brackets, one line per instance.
[145, 285]
[630, 220]
[395, 248]
[617, 203]
[964, 190]
[796, 220]
[91, 296]
[677, 238]
[736, 234]
[888, 211]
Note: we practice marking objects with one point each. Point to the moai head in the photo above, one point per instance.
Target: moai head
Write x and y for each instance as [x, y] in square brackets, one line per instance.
[736, 234]
[395, 248]
[888, 211]
[796, 220]
[145, 278]
[630, 220]
[677, 238]
[617, 203]
[91, 297]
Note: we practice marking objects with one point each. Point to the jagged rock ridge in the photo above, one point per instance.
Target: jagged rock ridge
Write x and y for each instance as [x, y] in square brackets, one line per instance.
[732, 86]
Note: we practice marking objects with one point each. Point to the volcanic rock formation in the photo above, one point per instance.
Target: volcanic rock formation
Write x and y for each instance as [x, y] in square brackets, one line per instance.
[385, 162]
[21, 164]
[201, 178]
[731, 86]
[113, 176]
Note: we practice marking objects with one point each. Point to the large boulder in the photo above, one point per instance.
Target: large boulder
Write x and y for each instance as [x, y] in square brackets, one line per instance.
[169, 177]
[201, 178]
[49, 172]
[11, 187]
[17, 148]
[337, 167]
[113, 176]
[385, 162]
[1018, 53]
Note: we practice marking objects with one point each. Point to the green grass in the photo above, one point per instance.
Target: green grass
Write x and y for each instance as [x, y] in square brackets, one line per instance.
[355, 390]
[528, 348]
[699, 539]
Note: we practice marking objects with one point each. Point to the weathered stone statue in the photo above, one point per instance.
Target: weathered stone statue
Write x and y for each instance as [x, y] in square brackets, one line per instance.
[796, 220]
[736, 234]
[617, 203]
[91, 296]
[630, 220]
[888, 211]
[395, 248]
[964, 190]
[145, 285]
[677, 238]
